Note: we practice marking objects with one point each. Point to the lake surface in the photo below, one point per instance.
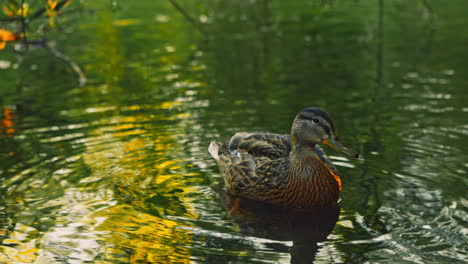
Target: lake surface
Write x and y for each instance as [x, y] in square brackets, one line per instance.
[117, 171]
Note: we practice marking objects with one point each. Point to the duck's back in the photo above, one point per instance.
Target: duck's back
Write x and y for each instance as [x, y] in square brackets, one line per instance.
[269, 145]
[272, 146]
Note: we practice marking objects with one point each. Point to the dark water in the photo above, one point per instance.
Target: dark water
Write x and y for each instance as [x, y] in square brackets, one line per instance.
[118, 171]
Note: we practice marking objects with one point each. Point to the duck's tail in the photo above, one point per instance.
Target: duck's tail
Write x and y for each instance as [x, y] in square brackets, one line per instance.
[214, 150]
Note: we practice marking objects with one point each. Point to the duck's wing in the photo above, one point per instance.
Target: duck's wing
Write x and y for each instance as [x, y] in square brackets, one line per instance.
[272, 146]
[258, 178]
[323, 156]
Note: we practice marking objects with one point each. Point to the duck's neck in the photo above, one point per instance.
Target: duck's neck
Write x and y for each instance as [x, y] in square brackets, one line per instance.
[300, 150]
[304, 161]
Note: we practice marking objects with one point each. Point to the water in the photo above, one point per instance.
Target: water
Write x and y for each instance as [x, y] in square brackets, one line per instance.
[118, 171]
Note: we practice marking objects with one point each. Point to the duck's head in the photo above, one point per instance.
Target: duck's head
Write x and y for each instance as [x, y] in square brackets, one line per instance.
[314, 126]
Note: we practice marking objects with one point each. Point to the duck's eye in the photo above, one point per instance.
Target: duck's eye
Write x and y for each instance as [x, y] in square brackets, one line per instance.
[315, 120]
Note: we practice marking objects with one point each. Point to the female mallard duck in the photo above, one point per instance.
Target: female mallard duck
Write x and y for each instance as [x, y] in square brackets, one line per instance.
[285, 170]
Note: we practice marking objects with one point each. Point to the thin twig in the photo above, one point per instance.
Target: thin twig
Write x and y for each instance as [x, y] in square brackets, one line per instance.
[41, 11]
[10, 19]
[23, 25]
[75, 67]
[380, 50]
[81, 76]
[187, 16]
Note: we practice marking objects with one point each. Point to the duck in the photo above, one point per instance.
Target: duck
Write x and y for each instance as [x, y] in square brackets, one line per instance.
[290, 171]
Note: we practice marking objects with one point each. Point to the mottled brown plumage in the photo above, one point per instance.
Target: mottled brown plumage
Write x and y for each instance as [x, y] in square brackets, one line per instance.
[289, 171]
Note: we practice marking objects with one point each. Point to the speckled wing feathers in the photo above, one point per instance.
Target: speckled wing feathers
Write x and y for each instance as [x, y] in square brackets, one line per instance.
[270, 145]
[255, 165]
[273, 146]
[257, 178]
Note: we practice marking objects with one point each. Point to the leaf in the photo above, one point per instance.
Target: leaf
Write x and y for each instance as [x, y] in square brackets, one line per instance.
[51, 12]
[12, 10]
[8, 11]
[67, 3]
[51, 4]
[24, 11]
[6, 36]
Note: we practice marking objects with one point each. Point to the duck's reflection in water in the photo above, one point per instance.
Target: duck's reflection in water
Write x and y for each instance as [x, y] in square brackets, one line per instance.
[304, 227]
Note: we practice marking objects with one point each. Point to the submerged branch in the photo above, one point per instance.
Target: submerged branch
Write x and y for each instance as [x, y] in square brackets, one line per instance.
[23, 24]
[73, 65]
[43, 43]
[187, 16]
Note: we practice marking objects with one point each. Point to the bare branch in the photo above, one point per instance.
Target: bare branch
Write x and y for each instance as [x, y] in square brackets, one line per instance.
[187, 16]
[23, 25]
[81, 76]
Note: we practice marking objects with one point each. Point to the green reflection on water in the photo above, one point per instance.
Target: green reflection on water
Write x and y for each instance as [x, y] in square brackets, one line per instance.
[117, 171]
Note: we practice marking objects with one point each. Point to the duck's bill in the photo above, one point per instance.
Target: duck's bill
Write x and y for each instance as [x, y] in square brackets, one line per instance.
[333, 142]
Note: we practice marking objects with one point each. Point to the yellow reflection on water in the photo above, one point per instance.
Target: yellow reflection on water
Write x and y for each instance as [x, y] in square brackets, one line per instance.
[147, 175]
[150, 239]
[19, 254]
[135, 173]
[14, 251]
[126, 22]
